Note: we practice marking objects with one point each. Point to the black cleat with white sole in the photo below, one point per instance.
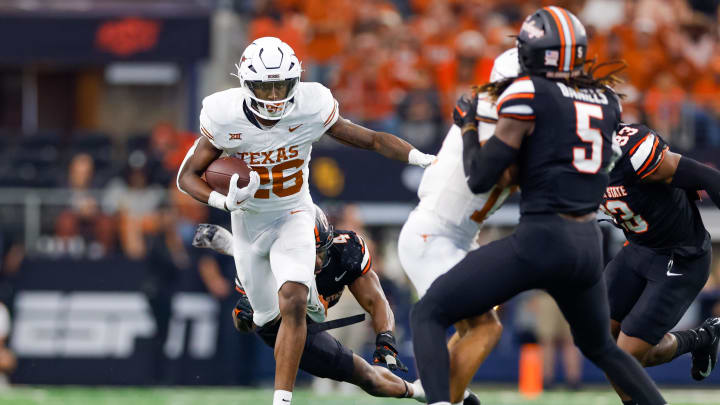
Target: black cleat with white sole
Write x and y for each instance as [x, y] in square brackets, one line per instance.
[471, 399]
[705, 358]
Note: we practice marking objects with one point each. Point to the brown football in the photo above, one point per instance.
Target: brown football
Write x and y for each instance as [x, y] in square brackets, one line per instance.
[218, 174]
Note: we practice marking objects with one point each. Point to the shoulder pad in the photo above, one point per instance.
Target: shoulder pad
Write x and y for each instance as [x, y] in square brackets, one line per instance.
[627, 135]
[221, 107]
[517, 100]
[643, 148]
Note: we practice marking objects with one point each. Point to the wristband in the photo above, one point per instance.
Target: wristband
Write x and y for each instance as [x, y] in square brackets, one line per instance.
[417, 158]
[385, 339]
[217, 200]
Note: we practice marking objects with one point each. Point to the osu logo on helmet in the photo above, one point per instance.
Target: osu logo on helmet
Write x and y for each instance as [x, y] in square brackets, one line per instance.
[553, 42]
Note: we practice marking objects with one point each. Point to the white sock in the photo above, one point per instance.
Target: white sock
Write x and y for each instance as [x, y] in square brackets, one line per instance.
[459, 403]
[282, 397]
[418, 391]
[441, 403]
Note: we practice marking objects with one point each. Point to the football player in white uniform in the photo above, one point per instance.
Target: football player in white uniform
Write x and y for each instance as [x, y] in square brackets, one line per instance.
[442, 229]
[271, 122]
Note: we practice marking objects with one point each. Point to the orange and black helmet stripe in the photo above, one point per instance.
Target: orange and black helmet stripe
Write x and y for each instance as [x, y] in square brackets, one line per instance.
[572, 37]
[566, 32]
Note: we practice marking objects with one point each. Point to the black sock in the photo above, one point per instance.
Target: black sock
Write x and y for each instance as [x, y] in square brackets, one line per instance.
[629, 402]
[689, 340]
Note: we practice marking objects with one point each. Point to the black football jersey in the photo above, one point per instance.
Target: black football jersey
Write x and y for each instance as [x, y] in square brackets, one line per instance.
[654, 215]
[564, 163]
[349, 258]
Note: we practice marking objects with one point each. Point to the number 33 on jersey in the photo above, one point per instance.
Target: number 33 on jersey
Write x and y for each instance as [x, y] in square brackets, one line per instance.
[279, 154]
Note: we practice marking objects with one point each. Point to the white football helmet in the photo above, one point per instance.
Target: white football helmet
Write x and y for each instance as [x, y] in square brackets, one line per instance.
[269, 74]
[506, 65]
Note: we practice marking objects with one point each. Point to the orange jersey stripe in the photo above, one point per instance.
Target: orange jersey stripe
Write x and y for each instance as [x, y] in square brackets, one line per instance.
[332, 115]
[514, 96]
[634, 148]
[657, 166]
[368, 266]
[519, 117]
[650, 158]
[479, 216]
[206, 132]
[654, 169]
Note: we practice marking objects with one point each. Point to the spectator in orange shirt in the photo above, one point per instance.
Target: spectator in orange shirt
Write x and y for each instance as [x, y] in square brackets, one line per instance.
[279, 18]
[365, 85]
[663, 105]
[328, 33]
[469, 67]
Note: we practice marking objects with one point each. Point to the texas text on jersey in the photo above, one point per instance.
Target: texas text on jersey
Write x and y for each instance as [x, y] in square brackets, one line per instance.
[280, 154]
[559, 173]
[654, 215]
[349, 258]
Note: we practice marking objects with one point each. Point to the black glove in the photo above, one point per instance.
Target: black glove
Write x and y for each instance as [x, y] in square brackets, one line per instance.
[204, 235]
[243, 313]
[465, 110]
[385, 352]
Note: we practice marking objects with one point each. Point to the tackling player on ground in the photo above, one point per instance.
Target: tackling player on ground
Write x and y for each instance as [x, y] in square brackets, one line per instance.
[342, 259]
[271, 122]
[557, 123]
[653, 280]
[442, 229]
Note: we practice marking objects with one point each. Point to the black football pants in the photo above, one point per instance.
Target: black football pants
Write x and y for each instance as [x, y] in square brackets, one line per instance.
[546, 251]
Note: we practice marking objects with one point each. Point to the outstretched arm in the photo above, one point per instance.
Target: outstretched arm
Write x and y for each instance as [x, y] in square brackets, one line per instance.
[683, 172]
[388, 145]
[370, 296]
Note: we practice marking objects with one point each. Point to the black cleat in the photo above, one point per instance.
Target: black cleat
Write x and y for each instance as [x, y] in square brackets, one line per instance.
[471, 399]
[705, 358]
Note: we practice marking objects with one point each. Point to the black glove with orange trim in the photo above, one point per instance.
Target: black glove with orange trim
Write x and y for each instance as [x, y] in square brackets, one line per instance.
[386, 353]
[465, 110]
[243, 313]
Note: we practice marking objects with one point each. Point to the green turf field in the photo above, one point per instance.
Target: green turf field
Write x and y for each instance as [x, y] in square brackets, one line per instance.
[213, 396]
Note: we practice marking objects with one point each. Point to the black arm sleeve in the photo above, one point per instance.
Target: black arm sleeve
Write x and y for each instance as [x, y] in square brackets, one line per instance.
[471, 149]
[484, 165]
[693, 175]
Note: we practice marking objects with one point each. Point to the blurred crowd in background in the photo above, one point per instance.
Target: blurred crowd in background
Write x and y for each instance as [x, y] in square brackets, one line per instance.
[396, 66]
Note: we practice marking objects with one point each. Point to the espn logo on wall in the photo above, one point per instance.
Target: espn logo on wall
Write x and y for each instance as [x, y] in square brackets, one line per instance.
[51, 324]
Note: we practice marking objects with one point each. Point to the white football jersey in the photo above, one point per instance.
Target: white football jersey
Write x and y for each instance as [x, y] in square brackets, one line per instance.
[443, 189]
[280, 154]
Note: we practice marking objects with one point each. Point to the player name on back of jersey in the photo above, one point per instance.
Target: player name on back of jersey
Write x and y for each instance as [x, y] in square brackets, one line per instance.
[587, 95]
[274, 156]
[615, 192]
